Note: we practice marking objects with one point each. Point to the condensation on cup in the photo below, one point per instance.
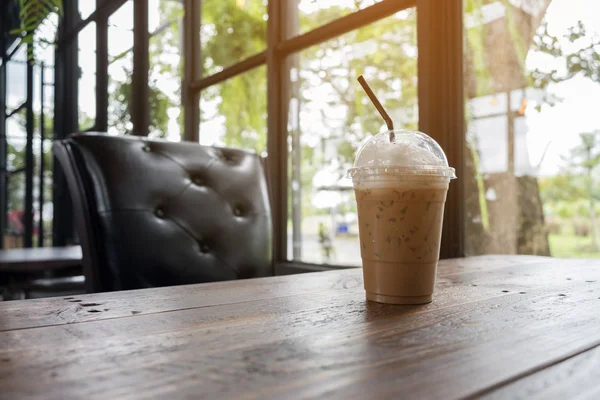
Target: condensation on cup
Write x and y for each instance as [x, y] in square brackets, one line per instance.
[400, 181]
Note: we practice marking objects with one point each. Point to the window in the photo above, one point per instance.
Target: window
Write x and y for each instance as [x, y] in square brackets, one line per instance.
[24, 180]
[532, 86]
[165, 27]
[231, 31]
[120, 69]
[274, 77]
[329, 118]
[16, 139]
[87, 77]
[43, 152]
[233, 113]
[312, 14]
[321, 117]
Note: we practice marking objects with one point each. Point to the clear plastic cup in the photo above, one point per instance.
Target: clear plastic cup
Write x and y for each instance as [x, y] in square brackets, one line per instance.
[400, 188]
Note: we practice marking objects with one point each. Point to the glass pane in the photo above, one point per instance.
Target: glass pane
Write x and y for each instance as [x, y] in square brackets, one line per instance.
[16, 80]
[46, 206]
[87, 77]
[312, 14]
[16, 139]
[15, 227]
[231, 31]
[86, 7]
[120, 69]
[329, 117]
[165, 25]
[533, 139]
[234, 113]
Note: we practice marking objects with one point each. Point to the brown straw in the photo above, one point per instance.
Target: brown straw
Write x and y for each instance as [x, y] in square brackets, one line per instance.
[378, 106]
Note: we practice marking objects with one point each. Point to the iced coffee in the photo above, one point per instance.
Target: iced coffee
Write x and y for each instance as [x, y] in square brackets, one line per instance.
[400, 188]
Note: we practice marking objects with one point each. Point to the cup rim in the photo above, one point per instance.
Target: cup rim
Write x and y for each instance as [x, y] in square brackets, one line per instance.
[421, 170]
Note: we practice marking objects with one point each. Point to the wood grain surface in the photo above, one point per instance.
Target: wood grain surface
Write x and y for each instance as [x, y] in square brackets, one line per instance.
[575, 378]
[499, 327]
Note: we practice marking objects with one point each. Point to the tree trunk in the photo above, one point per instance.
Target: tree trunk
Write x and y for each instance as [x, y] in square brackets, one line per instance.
[495, 59]
[532, 237]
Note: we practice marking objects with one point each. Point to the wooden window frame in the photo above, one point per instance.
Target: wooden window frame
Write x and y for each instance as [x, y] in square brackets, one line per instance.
[440, 89]
[440, 94]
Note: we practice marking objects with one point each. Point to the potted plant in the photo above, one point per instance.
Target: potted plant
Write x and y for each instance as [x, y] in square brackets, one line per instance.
[32, 14]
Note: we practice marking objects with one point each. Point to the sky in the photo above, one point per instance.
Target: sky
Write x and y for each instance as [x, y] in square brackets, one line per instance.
[578, 112]
[555, 127]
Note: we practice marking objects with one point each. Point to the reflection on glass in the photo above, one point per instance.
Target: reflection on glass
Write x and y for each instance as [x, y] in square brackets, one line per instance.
[315, 13]
[87, 77]
[120, 69]
[234, 113]
[532, 89]
[329, 117]
[231, 31]
[165, 25]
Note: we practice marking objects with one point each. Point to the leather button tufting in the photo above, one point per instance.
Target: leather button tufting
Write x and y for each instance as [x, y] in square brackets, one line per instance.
[206, 206]
[227, 158]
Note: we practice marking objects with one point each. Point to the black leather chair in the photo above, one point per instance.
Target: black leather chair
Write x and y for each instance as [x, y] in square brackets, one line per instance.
[155, 213]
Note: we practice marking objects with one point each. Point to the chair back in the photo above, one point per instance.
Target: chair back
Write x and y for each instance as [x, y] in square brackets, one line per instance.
[156, 213]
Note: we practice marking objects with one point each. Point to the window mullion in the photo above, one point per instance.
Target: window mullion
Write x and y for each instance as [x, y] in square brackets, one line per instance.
[277, 130]
[441, 110]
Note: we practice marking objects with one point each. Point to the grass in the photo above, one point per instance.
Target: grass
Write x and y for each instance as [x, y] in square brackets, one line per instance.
[571, 246]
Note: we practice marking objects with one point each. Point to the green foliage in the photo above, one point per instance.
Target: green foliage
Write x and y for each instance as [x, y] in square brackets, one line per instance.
[158, 104]
[242, 101]
[516, 37]
[161, 69]
[483, 208]
[16, 181]
[231, 32]
[476, 48]
[579, 60]
[16, 161]
[586, 156]
[32, 14]
[571, 246]
[387, 63]
[566, 187]
[166, 66]
[572, 192]
[238, 32]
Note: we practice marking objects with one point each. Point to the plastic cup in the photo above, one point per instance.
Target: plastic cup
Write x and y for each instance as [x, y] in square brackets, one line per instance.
[400, 188]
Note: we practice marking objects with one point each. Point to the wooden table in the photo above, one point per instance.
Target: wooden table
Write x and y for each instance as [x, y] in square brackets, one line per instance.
[499, 327]
[39, 259]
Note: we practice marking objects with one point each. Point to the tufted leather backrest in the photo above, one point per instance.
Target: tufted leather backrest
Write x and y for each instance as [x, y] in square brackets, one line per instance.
[156, 213]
